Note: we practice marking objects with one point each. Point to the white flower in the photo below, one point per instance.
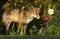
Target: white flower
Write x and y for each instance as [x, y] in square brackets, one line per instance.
[51, 11]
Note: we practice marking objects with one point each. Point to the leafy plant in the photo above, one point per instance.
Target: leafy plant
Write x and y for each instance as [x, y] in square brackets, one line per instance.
[41, 31]
[12, 31]
[33, 30]
[51, 30]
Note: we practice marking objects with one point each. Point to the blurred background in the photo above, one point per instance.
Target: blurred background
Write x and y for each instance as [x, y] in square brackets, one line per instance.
[48, 24]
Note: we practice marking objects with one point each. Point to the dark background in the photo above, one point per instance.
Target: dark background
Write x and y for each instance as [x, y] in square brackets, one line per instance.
[2, 2]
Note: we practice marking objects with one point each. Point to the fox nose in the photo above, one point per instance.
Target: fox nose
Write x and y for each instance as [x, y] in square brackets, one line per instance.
[38, 17]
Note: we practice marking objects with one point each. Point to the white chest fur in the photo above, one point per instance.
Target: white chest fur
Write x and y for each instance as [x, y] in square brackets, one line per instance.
[29, 19]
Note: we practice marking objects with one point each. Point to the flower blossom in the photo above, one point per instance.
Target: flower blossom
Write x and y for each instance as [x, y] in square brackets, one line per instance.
[46, 20]
[50, 11]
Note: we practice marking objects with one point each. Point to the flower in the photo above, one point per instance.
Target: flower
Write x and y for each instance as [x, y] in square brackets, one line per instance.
[46, 20]
[35, 1]
[6, 6]
[51, 11]
[23, 7]
[15, 4]
[21, 0]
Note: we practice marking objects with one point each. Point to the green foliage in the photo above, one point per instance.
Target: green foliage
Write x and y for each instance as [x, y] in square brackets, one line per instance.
[33, 30]
[52, 28]
[22, 31]
[57, 32]
[12, 32]
[41, 32]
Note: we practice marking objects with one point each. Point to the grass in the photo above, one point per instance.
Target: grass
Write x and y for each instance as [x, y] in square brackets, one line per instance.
[30, 37]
